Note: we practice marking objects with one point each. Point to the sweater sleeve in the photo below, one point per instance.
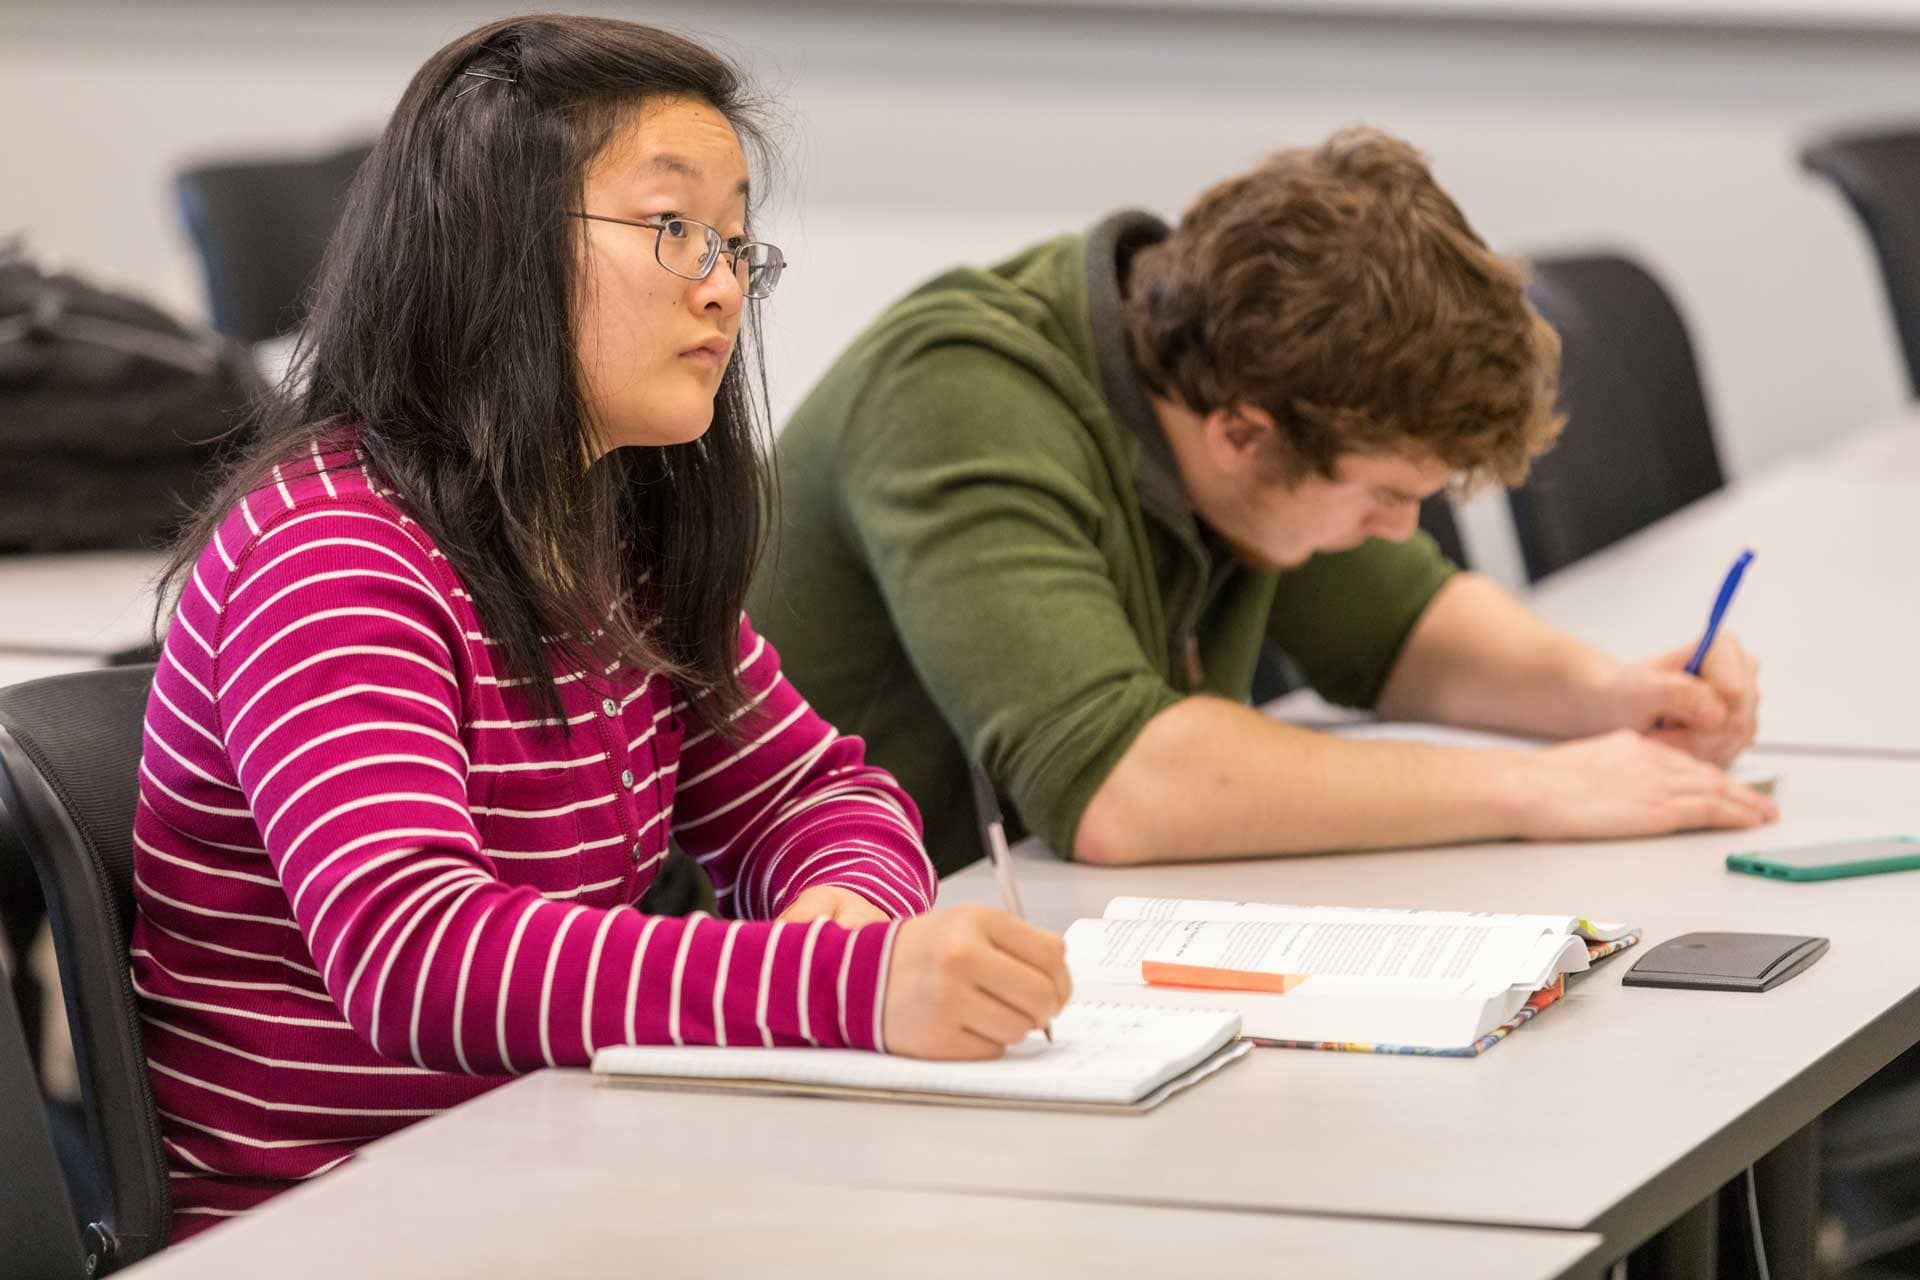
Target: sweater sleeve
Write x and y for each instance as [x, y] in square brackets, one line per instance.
[977, 502]
[1344, 617]
[339, 669]
[789, 803]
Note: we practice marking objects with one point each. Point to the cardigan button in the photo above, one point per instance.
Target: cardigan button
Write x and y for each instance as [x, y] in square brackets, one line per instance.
[609, 706]
[626, 778]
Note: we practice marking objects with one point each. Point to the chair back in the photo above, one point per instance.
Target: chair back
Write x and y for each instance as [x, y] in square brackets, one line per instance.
[261, 228]
[1639, 441]
[1879, 173]
[36, 1217]
[1437, 518]
[69, 779]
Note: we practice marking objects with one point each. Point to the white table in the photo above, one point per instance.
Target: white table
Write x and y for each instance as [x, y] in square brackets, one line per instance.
[1829, 604]
[85, 604]
[388, 1215]
[18, 668]
[1610, 1112]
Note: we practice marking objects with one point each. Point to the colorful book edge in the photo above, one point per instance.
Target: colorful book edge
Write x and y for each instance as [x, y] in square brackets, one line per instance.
[1540, 999]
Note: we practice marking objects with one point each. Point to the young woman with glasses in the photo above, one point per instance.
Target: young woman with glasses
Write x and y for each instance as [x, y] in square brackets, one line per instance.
[459, 648]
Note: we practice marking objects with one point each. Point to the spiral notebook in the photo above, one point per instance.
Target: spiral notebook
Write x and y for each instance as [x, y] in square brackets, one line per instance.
[1104, 1057]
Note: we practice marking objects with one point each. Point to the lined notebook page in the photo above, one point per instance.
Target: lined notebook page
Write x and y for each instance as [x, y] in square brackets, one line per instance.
[1108, 1053]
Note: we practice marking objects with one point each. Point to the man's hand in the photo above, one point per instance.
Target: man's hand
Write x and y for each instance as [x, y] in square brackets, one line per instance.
[968, 981]
[1624, 785]
[1712, 716]
[842, 906]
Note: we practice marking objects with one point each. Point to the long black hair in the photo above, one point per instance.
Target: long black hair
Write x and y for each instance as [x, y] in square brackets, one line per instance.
[441, 332]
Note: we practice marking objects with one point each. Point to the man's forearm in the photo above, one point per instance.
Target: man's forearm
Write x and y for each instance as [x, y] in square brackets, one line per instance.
[1208, 778]
[1478, 658]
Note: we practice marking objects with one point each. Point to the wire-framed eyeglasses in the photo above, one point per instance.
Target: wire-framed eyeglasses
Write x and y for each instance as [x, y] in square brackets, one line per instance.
[688, 248]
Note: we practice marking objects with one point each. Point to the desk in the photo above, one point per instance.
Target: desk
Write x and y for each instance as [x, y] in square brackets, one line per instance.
[384, 1215]
[1828, 605]
[1611, 1112]
[16, 668]
[88, 603]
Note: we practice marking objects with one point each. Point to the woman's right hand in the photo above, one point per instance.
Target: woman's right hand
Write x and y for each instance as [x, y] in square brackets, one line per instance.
[966, 982]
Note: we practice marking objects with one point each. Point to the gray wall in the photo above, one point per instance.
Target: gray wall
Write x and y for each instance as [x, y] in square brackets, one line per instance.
[929, 132]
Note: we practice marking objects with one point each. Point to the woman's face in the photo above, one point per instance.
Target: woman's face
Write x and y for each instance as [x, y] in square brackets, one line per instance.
[653, 346]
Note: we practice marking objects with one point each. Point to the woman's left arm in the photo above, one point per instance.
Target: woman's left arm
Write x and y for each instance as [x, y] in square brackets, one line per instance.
[785, 807]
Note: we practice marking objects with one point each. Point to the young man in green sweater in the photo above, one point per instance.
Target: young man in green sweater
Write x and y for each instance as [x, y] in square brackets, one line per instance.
[1044, 516]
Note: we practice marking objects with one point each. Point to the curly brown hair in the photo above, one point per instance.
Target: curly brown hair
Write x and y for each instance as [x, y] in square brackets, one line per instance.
[1341, 290]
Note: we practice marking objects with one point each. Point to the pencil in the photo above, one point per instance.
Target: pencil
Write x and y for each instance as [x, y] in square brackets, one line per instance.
[993, 831]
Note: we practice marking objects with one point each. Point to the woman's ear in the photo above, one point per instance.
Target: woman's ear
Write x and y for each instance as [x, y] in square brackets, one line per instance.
[1240, 439]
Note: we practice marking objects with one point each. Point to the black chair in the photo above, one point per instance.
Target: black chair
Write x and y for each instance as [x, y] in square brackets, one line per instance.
[36, 1216]
[261, 228]
[1436, 517]
[1879, 173]
[1639, 441]
[69, 760]
[21, 914]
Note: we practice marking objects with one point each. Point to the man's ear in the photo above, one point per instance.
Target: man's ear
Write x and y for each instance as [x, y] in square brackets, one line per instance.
[1239, 438]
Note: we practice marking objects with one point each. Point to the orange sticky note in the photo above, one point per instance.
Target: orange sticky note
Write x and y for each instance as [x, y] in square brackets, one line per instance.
[1162, 973]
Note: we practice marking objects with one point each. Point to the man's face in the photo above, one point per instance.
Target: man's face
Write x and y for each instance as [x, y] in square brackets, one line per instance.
[1272, 524]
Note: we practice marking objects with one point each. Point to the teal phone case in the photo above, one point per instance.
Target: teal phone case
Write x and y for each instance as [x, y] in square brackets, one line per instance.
[1878, 855]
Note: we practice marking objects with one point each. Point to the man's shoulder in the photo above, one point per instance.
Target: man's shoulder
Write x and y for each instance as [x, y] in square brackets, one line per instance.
[972, 333]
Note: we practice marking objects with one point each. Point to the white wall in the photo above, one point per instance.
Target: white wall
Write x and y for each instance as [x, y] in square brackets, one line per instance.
[923, 134]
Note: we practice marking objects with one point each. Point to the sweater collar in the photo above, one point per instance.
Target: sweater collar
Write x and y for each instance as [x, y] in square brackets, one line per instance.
[1110, 249]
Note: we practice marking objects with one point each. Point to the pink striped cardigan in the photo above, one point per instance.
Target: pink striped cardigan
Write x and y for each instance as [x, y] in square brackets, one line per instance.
[371, 883]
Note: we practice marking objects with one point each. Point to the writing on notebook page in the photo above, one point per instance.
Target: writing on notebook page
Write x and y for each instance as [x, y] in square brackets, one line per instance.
[1331, 949]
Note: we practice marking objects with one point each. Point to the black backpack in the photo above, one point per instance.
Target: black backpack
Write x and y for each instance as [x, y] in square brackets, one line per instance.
[111, 412]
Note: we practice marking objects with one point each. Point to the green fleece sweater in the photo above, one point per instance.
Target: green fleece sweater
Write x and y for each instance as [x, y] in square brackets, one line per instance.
[985, 552]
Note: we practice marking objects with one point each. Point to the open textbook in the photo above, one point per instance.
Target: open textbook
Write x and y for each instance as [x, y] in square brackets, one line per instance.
[1380, 980]
[1104, 1057]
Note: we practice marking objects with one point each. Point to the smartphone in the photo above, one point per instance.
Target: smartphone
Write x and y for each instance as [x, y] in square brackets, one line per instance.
[1832, 861]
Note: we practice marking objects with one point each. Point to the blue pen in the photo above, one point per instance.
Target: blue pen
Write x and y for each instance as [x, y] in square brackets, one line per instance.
[1720, 603]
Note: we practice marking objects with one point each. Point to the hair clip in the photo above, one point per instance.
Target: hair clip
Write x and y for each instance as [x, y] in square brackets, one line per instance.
[483, 75]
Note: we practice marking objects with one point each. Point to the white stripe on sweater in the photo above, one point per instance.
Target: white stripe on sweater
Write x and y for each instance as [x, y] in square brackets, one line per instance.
[506, 984]
[358, 727]
[348, 766]
[235, 952]
[546, 983]
[747, 750]
[219, 811]
[336, 575]
[720, 984]
[465, 887]
[141, 885]
[593, 978]
[330, 655]
[766, 976]
[633, 976]
[194, 980]
[456, 877]
[413, 695]
[301, 1108]
[679, 974]
[460, 988]
[806, 977]
[236, 590]
[426, 968]
[201, 1006]
[306, 620]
